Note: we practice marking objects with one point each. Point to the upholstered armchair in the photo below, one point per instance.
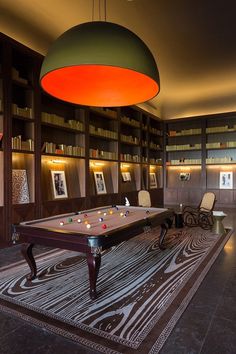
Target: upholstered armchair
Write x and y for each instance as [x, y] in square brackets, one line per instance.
[144, 199]
[202, 215]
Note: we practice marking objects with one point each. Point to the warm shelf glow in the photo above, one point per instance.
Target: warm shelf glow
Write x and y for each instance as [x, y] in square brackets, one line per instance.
[184, 168]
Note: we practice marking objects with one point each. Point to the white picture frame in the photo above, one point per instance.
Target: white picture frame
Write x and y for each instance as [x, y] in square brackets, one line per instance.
[126, 176]
[153, 180]
[59, 184]
[100, 183]
[226, 180]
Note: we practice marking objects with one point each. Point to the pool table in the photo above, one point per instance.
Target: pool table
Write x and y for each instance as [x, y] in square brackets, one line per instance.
[91, 232]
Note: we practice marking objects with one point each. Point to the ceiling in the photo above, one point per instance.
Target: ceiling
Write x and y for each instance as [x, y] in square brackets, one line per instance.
[193, 42]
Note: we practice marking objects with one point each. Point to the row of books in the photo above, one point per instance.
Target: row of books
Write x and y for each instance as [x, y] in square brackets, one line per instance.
[185, 132]
[129, 139]
[108, 155]
[155, 131]
[184, 162]
[26, 112]
[62, 149]
[183, 147]
[228, 144]
[221, 129]
[154, 146]
[214, 160]
[60, 121]
[16, 76]
[130, 121]
[105, 110]
[19, 144]
[103, 132]
[130, 158]
[155, 161]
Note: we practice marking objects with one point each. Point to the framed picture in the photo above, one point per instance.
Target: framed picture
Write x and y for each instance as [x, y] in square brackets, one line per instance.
[59, 184]
[226, 180]
[100, 183]
[184, 176]
[126, 176]
[153, 180]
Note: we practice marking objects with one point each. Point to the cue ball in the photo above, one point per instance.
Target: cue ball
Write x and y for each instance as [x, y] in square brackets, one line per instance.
[104, 226]
[88, 226]
[61, 223]
[99, 211]
[105, 214]
[100, 219]
[79, 221]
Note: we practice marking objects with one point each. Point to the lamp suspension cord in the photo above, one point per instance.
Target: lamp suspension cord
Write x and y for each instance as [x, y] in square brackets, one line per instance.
[99, 10]
[93, 11]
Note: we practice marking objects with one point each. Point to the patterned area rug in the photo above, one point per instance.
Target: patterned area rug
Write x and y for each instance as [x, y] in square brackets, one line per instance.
[142, 290]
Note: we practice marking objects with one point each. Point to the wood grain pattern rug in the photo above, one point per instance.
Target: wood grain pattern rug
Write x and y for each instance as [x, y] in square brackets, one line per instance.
[142, 290]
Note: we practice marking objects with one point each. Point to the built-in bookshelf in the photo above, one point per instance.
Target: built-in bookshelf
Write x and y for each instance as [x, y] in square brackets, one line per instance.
[55, 155]
[198, 152]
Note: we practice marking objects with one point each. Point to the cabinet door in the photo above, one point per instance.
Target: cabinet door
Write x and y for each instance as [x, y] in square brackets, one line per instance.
[171, 196]
[226, 197]
[183, 196]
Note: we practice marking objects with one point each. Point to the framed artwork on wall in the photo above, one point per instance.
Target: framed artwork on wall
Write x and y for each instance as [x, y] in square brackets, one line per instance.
[226, 180]
[100, 183]
[59, 184]
[126, 176]
[153, 180]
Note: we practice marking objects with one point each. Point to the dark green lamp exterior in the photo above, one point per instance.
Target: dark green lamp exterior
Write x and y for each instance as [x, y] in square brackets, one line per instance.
[99, 44]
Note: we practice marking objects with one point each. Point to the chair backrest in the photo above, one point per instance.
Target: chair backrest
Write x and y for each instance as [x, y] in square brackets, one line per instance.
[208, 201]
[144, 198]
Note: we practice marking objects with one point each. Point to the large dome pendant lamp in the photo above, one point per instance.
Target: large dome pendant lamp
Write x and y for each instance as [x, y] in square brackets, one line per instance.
[100, 64]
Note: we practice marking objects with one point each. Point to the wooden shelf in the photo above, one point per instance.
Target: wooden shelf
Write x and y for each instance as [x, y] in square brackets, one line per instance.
[225, 148]
[62, 155]
[102, 137]
[181, 136]
[60, 127]
[27, 119]
[23, 151]
[22, 84]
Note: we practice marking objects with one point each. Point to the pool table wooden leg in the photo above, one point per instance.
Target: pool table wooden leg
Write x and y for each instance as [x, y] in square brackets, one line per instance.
[164, 228]
[94, 262]
[26, 250]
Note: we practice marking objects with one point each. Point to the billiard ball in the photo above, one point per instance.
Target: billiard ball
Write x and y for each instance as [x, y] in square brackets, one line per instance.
[85, 215]
[104, 226]
[147, 211]
[86, 222]
[110, 212]
[61, 223]
[79, 221]
[105, 214]
[99, 211]
[127, 212]
[121, 214]
[88, 226]
[100, 219]
[117, 208]
[70, 220]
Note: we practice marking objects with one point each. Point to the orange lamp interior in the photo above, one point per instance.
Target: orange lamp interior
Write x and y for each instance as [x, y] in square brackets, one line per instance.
[99, 85]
